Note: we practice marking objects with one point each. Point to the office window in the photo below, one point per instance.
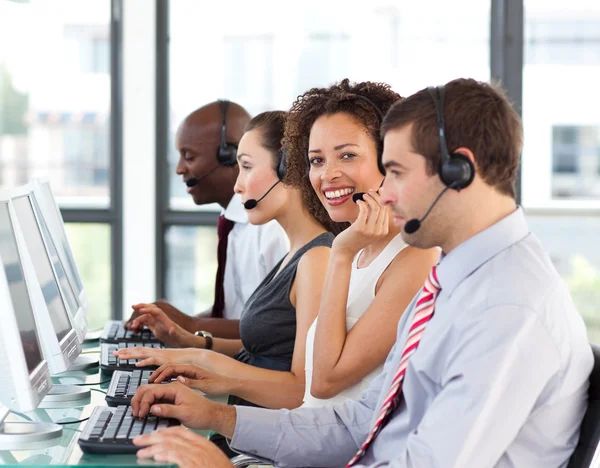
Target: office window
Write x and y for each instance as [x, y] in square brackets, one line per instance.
[86, 157]
[55, 122]
[265, 54]
[95, 270]
[191, 267]
[576, 162]
[551, 40]
[263, 61]
[54, 85]
[561, 156]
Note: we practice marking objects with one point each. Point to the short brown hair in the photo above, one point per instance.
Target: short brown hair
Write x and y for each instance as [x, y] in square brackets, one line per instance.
[340, 97]
[477, 116]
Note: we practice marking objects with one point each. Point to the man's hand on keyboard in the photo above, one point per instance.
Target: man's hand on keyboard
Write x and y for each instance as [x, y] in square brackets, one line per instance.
[183, 447]
[173, 313]
[195, 377]
[165, 329]
[175, 400]
[158, 357]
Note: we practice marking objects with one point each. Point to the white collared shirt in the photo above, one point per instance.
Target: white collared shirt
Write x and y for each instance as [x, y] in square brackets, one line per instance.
[252, 252]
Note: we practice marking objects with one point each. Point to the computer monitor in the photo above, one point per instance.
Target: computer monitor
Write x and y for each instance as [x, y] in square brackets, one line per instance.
[24, 373]
[46, 280]
[50, 212]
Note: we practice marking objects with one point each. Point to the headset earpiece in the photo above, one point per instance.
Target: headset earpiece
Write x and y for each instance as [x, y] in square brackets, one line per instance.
[227, 152]
[456, 170]
[281, 167]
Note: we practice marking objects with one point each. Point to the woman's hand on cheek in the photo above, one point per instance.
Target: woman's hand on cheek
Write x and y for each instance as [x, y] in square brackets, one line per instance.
[371, 225]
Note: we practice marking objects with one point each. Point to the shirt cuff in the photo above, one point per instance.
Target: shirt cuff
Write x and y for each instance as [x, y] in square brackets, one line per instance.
[256, 432]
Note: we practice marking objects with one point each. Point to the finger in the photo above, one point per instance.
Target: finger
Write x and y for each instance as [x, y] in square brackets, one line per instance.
[147, 395]
[193, 383]
[157, 372]
[160, 447]
[151, 361]
[162, 435]
[384, 223]
[144, 319]
[178, 457]
[374, 207]
[151, 309]
[133, 316]
[186, 370]
[363, 211]
[163, 373]
[135, 353]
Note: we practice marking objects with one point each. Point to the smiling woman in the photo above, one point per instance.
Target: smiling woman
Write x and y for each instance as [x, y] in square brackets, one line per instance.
[333, 135]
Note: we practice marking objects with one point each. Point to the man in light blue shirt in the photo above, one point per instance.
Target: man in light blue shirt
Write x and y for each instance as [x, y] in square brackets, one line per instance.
[499, 378]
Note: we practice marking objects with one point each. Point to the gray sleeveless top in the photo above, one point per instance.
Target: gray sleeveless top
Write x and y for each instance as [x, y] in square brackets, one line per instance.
[268, 323]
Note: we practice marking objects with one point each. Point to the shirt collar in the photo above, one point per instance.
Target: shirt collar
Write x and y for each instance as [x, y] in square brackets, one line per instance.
[235, 210]
[477, 250]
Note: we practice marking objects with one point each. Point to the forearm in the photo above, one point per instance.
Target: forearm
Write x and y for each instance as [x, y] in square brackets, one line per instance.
[228, 347]
[330, 335]
[264, 393]
[220, 328]
[326, 437]
[229, 367]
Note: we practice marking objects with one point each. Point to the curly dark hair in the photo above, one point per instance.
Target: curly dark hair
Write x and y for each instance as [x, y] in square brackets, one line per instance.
[340, 97]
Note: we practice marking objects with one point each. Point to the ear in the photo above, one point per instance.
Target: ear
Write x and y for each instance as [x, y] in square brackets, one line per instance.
[466, 152]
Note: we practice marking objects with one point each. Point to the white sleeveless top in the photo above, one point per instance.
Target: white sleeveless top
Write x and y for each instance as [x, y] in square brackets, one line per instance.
[361, 293]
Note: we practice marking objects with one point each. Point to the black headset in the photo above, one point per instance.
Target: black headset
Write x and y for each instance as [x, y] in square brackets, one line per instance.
[227, 152]
[379, 142]
[456, 170]
[281, 167]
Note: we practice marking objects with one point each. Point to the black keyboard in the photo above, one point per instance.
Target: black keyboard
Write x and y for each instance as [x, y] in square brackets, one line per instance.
[115, 332]
[110, 363]
[111, 430]
[124, 384]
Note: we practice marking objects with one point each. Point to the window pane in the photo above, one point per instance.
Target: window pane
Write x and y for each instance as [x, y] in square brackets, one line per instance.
[55, 97]
[270, 52]
[572, 242]
[191, 267]
[91, 247]
[561, 156]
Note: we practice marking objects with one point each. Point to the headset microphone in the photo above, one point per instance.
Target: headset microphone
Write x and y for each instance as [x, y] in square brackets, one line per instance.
[413, 225]
[194, 181]
[251, 203]
[360, 195]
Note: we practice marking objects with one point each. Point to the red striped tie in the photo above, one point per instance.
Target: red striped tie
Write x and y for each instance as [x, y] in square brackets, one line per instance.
[423, 313]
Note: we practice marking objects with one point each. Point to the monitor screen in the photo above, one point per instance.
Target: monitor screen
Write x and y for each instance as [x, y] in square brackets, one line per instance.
[42, 266]
[67, 290]
[18, 291]
[52, 210]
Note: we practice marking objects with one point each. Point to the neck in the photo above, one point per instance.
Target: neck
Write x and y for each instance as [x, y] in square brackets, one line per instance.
[224, 200]
[487, 212]
[299, 225]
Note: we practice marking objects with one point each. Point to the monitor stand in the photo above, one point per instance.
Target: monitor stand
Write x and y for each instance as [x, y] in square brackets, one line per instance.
[83, 363]
[27, 435]
[66, 396]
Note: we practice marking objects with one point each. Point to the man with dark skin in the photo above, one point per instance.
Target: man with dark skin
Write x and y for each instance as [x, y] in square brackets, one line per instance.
[198, 140]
